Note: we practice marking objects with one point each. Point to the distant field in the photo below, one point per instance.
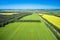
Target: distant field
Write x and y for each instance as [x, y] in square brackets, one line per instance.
[27, 30]
[51, 12]
[7, 13]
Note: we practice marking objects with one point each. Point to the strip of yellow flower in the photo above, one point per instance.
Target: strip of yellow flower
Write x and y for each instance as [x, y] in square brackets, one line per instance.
[52, 19]
[8, 13]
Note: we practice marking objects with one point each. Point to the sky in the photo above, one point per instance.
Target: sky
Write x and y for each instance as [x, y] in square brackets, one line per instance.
[29, 4]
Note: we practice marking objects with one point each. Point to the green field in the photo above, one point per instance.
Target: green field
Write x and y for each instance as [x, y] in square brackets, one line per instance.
[27, 30]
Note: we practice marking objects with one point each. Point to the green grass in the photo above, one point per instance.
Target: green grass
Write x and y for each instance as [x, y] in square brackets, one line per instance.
[27, 30]
[31, 17]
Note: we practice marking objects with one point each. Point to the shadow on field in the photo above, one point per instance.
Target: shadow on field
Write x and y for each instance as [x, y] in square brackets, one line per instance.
[28, 21]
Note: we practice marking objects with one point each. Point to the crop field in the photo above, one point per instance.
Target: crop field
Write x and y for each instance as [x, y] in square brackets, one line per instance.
[53, 19]
[53, 22]
[27, 26]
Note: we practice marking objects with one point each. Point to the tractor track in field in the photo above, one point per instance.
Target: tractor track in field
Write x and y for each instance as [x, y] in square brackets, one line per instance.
[54, 31]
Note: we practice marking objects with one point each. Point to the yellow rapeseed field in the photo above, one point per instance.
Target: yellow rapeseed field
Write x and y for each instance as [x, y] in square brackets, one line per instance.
[52, 19]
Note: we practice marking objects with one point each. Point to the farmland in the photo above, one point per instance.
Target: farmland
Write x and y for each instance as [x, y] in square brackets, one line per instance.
[26, 26]
[53, 19]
